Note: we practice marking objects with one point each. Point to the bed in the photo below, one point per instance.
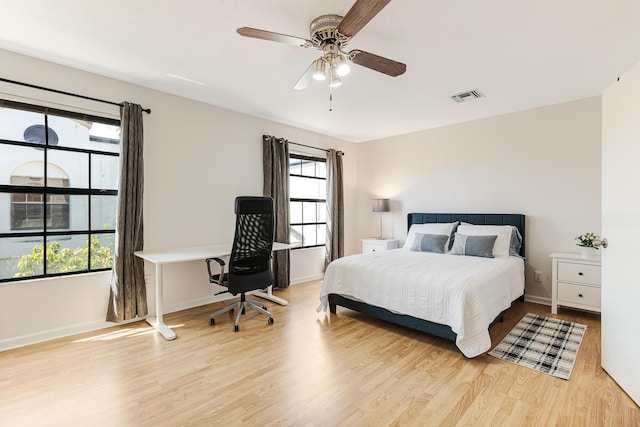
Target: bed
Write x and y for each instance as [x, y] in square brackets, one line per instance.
[454, 297]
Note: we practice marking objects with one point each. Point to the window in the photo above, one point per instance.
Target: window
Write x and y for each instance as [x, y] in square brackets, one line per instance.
[59, 175]
[28, 210]
[307, 200]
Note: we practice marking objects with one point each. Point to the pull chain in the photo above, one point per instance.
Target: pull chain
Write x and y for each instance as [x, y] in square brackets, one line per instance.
[330, 100]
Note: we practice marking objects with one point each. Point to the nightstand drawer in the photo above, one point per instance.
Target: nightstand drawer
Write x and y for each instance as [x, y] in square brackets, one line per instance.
[369, 248]
[579, 273]
[579, 294]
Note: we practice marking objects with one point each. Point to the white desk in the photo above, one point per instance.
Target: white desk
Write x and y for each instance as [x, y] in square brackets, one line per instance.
[161, 257]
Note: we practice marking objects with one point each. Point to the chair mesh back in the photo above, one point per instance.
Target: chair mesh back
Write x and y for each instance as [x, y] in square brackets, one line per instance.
[252, 244]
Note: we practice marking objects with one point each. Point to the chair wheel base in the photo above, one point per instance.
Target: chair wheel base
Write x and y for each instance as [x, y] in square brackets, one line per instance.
[239, 309]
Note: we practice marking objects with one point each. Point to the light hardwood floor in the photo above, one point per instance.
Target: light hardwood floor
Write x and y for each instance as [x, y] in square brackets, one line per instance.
[307, 369]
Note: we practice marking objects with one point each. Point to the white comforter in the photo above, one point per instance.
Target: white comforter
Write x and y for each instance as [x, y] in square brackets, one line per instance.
[463, 292]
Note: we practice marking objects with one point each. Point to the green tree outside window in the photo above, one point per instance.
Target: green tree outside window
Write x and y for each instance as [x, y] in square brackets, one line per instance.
[63, 260]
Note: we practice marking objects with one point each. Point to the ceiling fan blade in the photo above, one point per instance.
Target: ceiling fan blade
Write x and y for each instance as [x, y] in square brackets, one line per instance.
[377, 63]
[305, 79]
[274, 37]
[359, 15]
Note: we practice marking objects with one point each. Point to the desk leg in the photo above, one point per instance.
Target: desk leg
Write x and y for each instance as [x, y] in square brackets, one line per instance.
[269, 295]
[157, 322]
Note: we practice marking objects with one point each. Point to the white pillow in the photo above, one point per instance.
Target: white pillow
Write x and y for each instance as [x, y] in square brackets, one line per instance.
[430, 228]
[501, 247]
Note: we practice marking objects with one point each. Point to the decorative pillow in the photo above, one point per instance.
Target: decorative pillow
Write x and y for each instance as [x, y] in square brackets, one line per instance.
[430, 228]
[453, 235]
[503, 233]
[430, 243]
[516, 242]
[482, 246]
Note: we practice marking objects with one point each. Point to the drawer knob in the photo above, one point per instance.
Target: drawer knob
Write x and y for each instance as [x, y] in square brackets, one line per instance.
[580, 295]
[580, 273]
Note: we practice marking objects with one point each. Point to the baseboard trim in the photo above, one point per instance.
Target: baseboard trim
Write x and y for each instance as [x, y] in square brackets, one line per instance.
[185, 305]
[53, 334]
[81, 328]
[299, 280]
[538, 300]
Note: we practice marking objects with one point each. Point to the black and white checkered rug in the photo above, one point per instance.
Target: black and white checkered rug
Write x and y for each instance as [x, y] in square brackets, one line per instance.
[544, 344]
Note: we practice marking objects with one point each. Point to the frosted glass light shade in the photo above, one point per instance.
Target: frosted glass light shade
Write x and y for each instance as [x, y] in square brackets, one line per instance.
[334, 79]
[319, 71]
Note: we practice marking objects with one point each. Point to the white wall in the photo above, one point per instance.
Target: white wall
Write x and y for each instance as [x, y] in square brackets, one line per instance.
[544, 163]
[198, 158]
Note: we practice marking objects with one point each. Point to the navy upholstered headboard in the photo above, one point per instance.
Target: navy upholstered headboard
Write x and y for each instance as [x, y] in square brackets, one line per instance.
[478, 219]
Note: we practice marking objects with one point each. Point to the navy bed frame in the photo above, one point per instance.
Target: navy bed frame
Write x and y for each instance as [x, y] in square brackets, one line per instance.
[432, 328]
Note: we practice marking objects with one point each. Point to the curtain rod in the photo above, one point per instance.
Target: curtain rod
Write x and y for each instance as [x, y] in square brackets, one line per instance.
[146, 110]
[339, 153]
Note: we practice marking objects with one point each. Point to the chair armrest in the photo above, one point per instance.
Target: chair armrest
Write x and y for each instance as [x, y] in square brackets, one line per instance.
[221, 275]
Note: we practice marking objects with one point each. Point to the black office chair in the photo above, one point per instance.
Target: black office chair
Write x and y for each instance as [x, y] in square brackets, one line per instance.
[250, 260]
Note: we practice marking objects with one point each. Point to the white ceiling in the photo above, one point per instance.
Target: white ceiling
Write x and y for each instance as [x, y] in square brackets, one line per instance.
[519, 54]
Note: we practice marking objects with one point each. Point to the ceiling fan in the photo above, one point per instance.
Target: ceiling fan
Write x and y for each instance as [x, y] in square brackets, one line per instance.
[330, 34]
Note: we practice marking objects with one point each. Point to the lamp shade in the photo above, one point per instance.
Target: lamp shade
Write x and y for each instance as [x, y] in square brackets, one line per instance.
[381, 205]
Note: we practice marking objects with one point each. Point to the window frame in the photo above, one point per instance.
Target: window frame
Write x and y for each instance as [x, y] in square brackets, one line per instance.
[47, 192]
[303, 200]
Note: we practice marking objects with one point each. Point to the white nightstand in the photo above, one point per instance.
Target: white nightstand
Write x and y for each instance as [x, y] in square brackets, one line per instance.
[378, 245]
[575, 282]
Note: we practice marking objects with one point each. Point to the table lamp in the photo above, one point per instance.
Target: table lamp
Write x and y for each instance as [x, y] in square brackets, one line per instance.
[381, 205]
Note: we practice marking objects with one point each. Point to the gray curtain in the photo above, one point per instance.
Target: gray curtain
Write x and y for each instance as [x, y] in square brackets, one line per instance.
[275, 155]
[128, 298]
[335, 207]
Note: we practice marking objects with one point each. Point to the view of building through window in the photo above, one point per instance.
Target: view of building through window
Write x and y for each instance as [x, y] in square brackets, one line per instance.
[59, 175]
[27, 210]
[307, 200]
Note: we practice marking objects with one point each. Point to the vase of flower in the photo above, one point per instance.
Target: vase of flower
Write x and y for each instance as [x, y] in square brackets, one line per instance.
[587, 249]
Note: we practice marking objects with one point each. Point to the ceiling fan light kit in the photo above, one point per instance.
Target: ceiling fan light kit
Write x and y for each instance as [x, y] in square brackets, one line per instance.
[331, 34]
[342, 67]
[319, 73]
[334, 81]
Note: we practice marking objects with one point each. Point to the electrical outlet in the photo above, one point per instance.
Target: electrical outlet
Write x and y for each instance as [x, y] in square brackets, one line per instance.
[537, 276]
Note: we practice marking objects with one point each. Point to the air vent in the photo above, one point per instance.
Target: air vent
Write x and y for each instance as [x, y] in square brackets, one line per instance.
[467, 96]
